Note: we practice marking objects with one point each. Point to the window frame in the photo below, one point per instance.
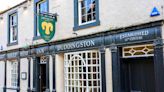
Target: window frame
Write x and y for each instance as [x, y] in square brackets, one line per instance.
[14, 74]
[80, 67]
[77, 24]
[11, 43]
[36, 2]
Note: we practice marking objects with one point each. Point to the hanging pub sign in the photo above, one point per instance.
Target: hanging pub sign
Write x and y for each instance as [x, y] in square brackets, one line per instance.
[46, 26]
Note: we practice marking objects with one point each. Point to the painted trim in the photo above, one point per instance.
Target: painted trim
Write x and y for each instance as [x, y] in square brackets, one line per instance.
[76, 17]
[8, 27]
[115, 69]
[11, 44]
[47, 74]
[18, 89]
[35, 17]
[54, 73]
[103, 69]
[5, 74]
[86, 25]
[18, 85]
[34, 74]
[29, 74]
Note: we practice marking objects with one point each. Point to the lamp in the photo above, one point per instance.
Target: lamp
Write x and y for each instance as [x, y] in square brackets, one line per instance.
[1, 17]
[27, 4]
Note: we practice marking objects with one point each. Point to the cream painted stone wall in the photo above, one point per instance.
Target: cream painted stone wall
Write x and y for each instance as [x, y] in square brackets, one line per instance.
[2, 64]
[162, 32]
[8, 77]
[113, 14]
[59, 73]
[108, 63]
[24, 68]
[31, 73]
[51, 73]
[25, 27]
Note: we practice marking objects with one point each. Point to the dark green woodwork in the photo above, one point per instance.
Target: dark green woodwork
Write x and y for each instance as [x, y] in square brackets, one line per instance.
[5, 75]
[103, 69]
[75, 45]
[2, 56]
[137, 35]
[47, 75]
[140, 35]
[29, 74]
[115, 69]
[18, 84]
[158, 65]
[54, 73]
[35, 75]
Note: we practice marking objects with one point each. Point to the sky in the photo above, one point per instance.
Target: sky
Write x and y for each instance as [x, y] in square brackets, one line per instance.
[5, 4]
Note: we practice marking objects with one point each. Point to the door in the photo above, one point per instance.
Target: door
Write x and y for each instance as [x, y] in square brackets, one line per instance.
[139, 75]
[42, 77]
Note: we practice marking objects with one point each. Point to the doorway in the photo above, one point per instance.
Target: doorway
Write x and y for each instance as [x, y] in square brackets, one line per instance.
[137, 74]
[42, 77]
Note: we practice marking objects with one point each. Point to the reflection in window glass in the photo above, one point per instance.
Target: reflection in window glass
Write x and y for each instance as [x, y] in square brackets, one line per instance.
[13, 28]
[87, 11]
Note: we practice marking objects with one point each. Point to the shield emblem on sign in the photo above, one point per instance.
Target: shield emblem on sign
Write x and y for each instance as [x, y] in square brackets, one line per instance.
[46, 27]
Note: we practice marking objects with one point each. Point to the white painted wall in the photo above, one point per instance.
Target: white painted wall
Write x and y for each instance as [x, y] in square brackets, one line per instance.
[113, 14]
[8, 77]
[108, 63]
[59, 73]
[24, 68]
[2, 64]
[51, 73]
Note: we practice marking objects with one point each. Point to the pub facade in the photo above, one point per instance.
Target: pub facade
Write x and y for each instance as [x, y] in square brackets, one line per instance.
[91, 51]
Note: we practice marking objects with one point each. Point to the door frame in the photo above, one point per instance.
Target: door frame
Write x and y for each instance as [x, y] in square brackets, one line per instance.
[36, 74]
[158, 67]
[124, 66]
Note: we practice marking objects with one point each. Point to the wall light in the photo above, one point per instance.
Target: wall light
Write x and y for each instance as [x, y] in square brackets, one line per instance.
[1, 17]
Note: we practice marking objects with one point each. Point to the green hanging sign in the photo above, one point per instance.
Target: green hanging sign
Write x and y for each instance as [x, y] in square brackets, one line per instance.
[46, 27]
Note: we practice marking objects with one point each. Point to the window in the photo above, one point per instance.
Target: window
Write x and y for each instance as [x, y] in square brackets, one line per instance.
[138, 51]
[40, 7]
[86, 13]
[13, 28]
[82, 71]
[14, 74]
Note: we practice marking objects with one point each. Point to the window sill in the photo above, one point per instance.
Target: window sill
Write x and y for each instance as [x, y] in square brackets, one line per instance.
[97, 23]
[13, 88]
[36, 37]
[11, 44]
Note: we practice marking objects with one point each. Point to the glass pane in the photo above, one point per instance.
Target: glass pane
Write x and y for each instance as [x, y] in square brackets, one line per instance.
[83, 12]
[89, 17]
[14, 19]
[43, 7]
[84, 19]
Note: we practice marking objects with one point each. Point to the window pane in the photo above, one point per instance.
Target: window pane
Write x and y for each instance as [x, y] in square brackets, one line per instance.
[13, 27]
[84, 77]
[43, 7]
[87, 8]
[14, 74]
